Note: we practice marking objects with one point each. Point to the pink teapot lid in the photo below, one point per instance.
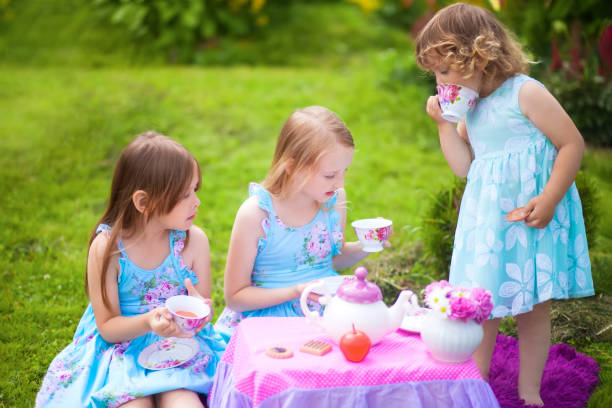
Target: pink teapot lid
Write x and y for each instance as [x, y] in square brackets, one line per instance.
[359, 290]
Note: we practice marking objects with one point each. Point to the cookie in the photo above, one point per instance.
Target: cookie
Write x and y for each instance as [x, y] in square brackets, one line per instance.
[316, 347]
[279, 352]
[518, 214]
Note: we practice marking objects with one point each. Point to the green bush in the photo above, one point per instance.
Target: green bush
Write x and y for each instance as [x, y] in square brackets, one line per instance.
[589, 103]
[180, 26]
[439, 224]
[440, 220]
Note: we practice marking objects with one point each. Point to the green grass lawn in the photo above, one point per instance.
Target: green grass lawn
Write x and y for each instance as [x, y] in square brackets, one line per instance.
[67, 110]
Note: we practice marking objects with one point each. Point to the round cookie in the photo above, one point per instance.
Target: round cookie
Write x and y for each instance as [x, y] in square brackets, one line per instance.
[279, 352]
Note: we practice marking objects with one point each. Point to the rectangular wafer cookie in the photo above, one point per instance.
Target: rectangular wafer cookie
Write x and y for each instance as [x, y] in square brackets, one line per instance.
[316, 347]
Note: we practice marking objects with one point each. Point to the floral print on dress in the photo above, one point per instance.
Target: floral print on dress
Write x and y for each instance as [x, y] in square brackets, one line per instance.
[198, 364]
[283, 225]
[316, 247]
[154, 292]
[112, 400]
[179, 244]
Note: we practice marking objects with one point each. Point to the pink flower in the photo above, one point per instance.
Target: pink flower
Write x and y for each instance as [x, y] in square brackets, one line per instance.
[312, 247]
[462, 308]
[448, 92]
[443, 284]
[452, 92]
[482, 297]
[460, 303]
[382, 233]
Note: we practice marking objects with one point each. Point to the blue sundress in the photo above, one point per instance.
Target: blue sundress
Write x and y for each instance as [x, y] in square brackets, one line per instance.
[513, 160]
[91, 372]
[288, 256]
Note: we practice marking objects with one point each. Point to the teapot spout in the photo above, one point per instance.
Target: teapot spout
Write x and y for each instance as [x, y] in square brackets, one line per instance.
[406, 302]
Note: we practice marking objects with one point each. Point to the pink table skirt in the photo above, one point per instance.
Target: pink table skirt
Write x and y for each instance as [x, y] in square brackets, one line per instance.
[398, 371]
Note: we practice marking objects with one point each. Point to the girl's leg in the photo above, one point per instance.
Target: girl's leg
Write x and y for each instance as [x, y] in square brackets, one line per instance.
[534, 343]
[178, 398]
[484, 352]
[144, 402]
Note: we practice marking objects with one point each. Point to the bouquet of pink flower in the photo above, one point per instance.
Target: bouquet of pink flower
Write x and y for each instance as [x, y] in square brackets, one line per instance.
[459, 303]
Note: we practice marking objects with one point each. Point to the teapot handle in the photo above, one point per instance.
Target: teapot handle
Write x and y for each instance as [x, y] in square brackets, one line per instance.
[312, 315]
[412, 303]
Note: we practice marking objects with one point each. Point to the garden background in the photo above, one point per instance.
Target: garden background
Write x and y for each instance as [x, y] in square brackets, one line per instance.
[78, 80]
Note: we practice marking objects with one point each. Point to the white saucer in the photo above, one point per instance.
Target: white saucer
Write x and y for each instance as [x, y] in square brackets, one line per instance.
[412, 322]
[332, 283]
[168, 353]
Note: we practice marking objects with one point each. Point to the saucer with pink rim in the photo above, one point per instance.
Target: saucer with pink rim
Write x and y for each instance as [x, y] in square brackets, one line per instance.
[167, 353]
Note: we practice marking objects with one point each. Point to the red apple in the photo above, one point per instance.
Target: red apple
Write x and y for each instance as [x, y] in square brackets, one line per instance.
[355, 345]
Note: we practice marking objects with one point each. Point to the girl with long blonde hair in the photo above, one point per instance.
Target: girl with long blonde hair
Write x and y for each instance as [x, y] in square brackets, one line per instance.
[290, 231]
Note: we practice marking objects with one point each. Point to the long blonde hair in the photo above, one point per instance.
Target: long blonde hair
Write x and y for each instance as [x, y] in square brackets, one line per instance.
[155, 164]
[467, 38]
[305, 137]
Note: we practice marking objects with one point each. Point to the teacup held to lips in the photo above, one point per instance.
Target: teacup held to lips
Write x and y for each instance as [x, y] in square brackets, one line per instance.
[187, 311]
[372, 232]
[455, 101]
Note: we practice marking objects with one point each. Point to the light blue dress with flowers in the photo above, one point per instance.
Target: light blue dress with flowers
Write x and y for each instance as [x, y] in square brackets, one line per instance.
[91, 372]
[287, 256]
[513, 160]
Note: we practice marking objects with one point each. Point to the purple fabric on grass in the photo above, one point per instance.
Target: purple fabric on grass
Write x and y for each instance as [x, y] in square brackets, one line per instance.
[568, 381]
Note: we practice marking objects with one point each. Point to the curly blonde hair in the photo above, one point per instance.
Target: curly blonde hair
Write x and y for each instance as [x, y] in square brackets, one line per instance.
[468, 38]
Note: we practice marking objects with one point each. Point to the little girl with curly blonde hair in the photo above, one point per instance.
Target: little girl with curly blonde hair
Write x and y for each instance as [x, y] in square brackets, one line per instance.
[518, 148]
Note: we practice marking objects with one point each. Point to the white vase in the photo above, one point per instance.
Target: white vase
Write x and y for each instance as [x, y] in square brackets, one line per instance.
[448, 340]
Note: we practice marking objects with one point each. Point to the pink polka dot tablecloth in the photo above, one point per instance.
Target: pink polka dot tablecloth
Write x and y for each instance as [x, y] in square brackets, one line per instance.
[398, 371]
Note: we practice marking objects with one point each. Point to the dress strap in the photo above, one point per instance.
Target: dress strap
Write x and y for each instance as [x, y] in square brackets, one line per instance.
[264, 200]
[333, 224]
[105, 228]
[177, 244]
[519, 80]
[264, 197]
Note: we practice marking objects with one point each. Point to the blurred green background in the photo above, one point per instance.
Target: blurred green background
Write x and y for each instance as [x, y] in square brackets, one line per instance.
[79, 79]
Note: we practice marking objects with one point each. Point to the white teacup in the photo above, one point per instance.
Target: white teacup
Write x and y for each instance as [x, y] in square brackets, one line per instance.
[187, 311]
[372, 232]
[455, 101]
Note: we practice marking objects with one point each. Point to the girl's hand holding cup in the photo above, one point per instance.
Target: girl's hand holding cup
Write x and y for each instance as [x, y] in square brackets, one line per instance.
[183, 316]
[192, 291]
[433, 109]
[161, 323]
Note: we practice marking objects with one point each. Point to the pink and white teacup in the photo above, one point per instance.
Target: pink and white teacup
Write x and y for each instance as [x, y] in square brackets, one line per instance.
[372, 232]
[455, 101]
[188, 312]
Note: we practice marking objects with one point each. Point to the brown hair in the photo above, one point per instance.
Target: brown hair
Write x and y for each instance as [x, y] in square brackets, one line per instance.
[305, 137]
[155, 164]
[466, 38]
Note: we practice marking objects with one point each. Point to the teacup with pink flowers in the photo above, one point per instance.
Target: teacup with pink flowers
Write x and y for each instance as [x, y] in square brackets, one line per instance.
[372, 232]
[188, 312]
[455, 101]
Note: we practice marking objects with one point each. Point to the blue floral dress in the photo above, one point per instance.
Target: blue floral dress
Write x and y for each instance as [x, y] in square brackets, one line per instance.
[513, 160]
[91, 372]
[288, 256]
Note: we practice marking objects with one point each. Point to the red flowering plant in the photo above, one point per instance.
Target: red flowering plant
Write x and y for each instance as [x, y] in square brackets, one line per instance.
[459, 303]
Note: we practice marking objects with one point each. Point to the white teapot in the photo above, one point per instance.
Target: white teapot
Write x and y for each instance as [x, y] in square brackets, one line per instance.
[358, 302]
